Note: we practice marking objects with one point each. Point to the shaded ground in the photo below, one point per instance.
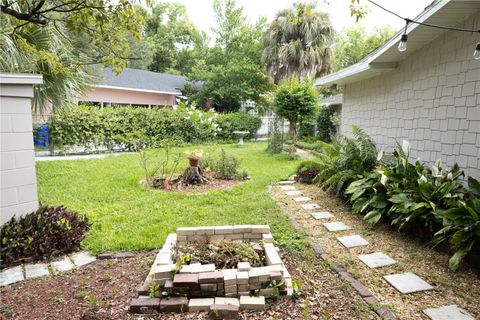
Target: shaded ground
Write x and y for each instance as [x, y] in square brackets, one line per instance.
[104, 289]
[461, 287]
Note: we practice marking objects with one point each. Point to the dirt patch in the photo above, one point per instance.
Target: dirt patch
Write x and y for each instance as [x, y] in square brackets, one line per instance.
[225, 254]
[214, 184]
[104, 289]
[461, 287]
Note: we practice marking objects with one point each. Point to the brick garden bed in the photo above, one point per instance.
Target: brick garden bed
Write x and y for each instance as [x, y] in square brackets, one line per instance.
[175, 286]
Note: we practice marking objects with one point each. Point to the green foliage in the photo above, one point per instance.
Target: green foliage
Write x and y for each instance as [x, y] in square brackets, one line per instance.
[325, 123]
[224, 166]
[428, 200]
[295, 101]
[133, 128]
[275, 136]
[176, 43]
[58, 39]
[238, 121]
[47, 232]
[297, 43]
[231, 71]
[307, 171]
[344, 160]
[353, 44]
[297, 287]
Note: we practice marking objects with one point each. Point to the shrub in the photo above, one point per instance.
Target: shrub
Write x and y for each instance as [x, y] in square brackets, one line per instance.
[326, 127]
[307, 171]
[431, 202]
[224, 166]
[47, 232]
[344, 160]
[238, 121]
[133, 127]
[295, 101]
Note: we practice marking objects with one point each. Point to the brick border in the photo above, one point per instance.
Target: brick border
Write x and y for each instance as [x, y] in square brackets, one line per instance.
[367, 296]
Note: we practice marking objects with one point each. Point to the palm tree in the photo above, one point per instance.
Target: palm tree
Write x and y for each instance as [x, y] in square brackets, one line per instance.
[297, 43]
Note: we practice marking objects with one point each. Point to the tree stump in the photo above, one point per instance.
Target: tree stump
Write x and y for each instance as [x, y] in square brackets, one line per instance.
[193, 176]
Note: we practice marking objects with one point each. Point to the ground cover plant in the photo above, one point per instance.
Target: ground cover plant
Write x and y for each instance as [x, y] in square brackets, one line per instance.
[47, 232]
[127, 216]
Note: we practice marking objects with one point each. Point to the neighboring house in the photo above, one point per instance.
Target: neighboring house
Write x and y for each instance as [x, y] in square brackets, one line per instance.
[428, 95]
[136, 87]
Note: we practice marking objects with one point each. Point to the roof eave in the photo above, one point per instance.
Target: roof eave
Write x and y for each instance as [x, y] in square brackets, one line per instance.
[137, 90]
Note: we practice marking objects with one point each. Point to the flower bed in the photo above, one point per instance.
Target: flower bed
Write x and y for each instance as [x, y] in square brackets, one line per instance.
[185, 285]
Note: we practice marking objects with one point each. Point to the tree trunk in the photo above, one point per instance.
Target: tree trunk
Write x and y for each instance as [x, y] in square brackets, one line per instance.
[292, 129]
[193, 176]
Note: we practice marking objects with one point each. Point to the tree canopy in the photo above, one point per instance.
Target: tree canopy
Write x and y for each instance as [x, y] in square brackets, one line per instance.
[295, 100]
[353, 44]
[59, 39]
[231, 71]
[297, 43]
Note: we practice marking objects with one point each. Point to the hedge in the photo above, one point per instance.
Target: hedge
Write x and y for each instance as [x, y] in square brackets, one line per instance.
[128, 127]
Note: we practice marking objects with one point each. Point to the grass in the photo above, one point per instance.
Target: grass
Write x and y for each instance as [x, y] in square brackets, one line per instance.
[127, 216]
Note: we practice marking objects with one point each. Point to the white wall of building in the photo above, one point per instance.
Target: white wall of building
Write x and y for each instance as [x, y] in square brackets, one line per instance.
[18, 181]
[432, 100]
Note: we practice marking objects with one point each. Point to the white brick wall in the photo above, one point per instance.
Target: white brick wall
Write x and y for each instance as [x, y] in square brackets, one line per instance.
[432, 100]
[18, 183]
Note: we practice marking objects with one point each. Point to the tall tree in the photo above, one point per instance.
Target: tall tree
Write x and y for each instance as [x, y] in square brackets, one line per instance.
[297, 43]
[177, 43]
[231, 71]
[59, 39]
[353, 44]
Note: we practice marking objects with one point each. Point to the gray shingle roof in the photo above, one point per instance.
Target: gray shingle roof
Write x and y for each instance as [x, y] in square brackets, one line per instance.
[143, 80]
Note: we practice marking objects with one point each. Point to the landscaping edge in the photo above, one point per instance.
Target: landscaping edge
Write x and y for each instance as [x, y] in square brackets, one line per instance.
[383, 312]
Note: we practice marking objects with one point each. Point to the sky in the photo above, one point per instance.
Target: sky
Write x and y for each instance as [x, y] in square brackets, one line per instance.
[201, 11]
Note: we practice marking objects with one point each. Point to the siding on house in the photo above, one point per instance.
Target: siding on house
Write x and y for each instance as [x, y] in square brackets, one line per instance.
[125, 96]
[18, 182]
[432, 100]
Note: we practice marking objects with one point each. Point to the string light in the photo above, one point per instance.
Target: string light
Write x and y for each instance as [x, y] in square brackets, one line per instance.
[476, 53]
[402, 46]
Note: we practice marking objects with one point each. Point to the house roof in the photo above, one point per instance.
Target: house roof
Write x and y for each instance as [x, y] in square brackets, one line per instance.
[333, 100]
[142, 80]
[387, 57]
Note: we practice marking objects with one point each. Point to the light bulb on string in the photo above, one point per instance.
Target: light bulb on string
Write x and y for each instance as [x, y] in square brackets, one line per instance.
[402, 46]
[476, 53]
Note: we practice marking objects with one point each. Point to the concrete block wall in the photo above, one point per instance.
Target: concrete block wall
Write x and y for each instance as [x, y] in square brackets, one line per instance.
[18, 182]
[432, 100]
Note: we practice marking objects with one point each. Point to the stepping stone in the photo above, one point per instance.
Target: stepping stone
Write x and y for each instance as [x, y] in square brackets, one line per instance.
[62, 265]
[310, 206]
[11, 275]
[376, 260]
[451, 312]
[232, 301]
[82, 258]
[301, 199]
[36, 270]
[352, 241]
[288, 188]
[286, 182]
[293, 193]
[336, 226]
[321, 215]
[407, 282]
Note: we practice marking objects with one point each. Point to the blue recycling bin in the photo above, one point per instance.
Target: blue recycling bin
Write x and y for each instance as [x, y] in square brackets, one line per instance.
[40, 136]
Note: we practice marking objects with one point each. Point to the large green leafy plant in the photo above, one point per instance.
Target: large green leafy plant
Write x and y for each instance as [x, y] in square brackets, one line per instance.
[345, 160]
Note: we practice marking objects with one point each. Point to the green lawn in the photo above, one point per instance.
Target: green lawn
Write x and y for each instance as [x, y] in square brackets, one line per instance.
[127, 216]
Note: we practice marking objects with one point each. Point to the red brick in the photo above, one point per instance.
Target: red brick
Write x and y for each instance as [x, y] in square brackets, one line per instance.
[210, 277]
[185, 280]
[224, 311]
[144, 305]
[174, 304]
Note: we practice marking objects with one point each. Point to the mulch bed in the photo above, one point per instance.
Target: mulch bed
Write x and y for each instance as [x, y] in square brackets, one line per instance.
[104, 289]
[461, 288]
[214, 184]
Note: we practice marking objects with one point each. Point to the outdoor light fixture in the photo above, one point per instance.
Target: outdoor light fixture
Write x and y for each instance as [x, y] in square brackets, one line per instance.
[402, 46]
[476, 53]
